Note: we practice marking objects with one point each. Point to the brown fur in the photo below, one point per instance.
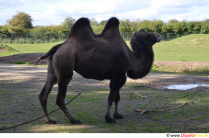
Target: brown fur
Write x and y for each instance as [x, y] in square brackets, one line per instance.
[104, 56]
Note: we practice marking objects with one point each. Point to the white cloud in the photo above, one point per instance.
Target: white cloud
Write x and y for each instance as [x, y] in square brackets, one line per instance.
[50, 12]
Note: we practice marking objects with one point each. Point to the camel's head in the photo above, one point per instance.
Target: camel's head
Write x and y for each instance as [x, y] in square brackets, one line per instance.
[144, 39]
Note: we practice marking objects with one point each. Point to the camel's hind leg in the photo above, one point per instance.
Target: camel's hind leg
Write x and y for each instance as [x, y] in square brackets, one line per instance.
[62, 84]
[50, 81]
[64, 73]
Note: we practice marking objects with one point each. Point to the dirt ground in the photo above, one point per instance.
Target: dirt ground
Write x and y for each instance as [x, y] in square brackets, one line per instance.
[158, 81]
[33, 57]
[30, 80]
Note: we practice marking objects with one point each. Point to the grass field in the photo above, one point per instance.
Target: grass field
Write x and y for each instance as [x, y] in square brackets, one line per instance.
[28, 48]
[193, 47]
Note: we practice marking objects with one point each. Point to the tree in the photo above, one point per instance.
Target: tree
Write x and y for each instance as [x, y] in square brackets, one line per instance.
[135, 24]
[167, 28]
[147, 25]
[124, 26]
[93, 22]
[20, 23]
[157, 26]
[172, 22]
[205, 26]
[197, 28]
[67, 24]
[103, 23]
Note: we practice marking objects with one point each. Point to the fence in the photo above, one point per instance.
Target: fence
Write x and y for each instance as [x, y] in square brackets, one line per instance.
[32, 38]
[36, 38]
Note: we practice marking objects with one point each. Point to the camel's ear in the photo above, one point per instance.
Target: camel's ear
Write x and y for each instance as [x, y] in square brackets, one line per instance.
[136, 37]
[142, 30]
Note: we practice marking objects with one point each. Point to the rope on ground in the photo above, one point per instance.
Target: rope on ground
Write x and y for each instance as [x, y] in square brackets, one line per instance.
[5, 127]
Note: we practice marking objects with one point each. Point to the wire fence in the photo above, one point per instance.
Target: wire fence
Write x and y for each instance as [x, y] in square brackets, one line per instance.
[48, 37]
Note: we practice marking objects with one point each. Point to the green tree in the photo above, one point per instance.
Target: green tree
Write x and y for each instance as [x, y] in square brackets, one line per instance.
[157, 26]
[104, 22]
[93, 22]
[67, 24]
[147, 25]
[4, 28]
[173, 21]
[124, 26]
[20, 23]
[167, 28]
[134, 24]
[197, 28]
[205, 26]
[191, 26]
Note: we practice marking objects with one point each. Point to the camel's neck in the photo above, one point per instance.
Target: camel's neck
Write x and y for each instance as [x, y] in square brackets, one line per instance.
[141, 63]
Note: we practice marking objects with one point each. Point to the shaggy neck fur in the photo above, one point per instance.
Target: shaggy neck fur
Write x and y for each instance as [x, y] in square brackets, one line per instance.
[142, 58]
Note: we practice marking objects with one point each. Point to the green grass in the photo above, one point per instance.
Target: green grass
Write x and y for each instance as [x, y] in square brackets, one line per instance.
[193, 48]
[23, 62]
[28, 48]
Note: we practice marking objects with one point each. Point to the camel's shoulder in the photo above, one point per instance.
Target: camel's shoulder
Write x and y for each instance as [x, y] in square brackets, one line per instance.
[112, 23]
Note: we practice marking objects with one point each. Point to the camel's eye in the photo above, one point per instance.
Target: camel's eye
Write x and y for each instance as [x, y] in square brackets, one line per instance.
[151, 37]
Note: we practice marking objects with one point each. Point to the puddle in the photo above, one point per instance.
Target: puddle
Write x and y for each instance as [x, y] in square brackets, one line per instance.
[185, 86]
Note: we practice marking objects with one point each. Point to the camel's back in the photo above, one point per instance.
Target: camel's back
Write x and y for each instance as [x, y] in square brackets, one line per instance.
[96, 56]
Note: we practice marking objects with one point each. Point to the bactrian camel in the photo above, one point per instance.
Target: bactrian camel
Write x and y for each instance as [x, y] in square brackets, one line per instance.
[100, 57]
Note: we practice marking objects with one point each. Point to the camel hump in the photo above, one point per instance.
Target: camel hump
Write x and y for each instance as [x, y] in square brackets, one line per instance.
[81, 27]
[80, 23]
[112, 23]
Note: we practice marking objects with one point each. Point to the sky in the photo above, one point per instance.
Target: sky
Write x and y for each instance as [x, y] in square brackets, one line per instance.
[54, 12]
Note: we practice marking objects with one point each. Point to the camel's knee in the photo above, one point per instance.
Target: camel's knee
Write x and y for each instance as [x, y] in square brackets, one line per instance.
[117, 83]
[60, 102]
[41, 95]
[117, 98]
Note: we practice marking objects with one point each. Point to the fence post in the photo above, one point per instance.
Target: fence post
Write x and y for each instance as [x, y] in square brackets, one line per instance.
[50, 37]
[27, 37]
[171, 35]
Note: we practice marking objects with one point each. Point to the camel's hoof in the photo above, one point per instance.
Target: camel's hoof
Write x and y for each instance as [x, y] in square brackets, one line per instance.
[118, 116]
[76, 122]
[51, 122]
[110, 120]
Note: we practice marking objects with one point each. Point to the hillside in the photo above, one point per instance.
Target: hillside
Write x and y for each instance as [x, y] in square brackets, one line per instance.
[193, 47]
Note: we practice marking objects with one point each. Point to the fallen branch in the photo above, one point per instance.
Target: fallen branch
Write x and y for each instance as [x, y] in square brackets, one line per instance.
[178, 98]
[155, 110]
[138, 110]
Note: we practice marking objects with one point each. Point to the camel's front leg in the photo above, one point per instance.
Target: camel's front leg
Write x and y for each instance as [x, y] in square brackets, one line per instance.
[115, 85]
[116, 114]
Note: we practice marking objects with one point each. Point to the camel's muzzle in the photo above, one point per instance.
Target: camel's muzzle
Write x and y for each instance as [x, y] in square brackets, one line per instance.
[158, 37]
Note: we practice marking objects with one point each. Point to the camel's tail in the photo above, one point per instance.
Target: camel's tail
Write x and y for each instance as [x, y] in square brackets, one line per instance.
[51, 51]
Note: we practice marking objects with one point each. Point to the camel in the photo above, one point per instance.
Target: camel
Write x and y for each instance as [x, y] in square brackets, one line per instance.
[100, 57]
